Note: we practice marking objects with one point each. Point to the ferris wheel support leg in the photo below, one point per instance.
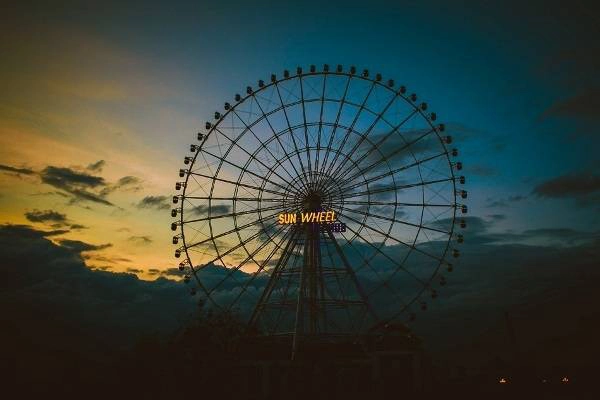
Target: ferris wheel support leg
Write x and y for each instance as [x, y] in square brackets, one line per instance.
[350, 272]
[299, 324]
[260, 306]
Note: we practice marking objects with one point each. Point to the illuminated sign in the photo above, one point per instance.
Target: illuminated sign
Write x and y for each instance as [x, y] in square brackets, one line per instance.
[306, 217]
[326, 219]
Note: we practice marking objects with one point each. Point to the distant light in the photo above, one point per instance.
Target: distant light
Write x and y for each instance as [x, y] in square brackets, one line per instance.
[503, 381]
[565, 379]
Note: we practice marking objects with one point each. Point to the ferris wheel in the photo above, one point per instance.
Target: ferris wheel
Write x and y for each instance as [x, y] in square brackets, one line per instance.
[320, 202]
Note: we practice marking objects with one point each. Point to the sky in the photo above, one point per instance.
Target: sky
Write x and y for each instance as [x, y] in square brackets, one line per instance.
[100, 102]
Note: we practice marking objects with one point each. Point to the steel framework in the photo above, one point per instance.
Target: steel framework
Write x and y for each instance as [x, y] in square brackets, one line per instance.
[328, 139]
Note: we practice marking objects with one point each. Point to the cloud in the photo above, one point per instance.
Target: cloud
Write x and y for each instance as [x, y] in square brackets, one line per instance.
[140, 240]
[97, 166]
[52, 218]
[575, 185]
[481, 170]
[128, 183]
[42, 278]
[399, 148]
[216, 209]
[584, 105]
[488, 279]
[156, 202]
[504, 202]
[77, 226]
[497, 217]
[79, 246]
[46, 216]
[493, 278]
[173, 272]
[481, 231]
[475, 225]
[56, 232]
[18, 171]
[567, 236]
[78, 184]
[100, 258]
[32, 233]
[62, 177]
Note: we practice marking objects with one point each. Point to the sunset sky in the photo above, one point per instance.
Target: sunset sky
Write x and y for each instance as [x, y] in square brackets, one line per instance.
[99, 103]
[112, 95]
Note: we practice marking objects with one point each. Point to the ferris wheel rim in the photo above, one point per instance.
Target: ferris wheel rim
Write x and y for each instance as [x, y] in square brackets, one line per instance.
[251, 94]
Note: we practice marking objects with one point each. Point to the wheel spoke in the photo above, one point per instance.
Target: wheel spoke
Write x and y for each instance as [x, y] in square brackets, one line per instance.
[392, 172]
[287, 120]
[258, 188]
[350, 129]
[276, 136]
[395, 188]
[247, 171]
[410, 246]
[229, 232]
[336, 124]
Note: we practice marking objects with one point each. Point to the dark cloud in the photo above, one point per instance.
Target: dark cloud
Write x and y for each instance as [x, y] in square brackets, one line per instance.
[550, 269]
[497, 217]
[79, 246]
[32, 233]
[97, 166]
[153, 271]
[18, 171]
[128, 180]
[585, 105]
[481, 170]
[568, 236]
[480, 231]
[516, 198]
[156, 202]
[77, 226]
[141, 240]
[53, 218]
[476, 225]
[62, 177]
[504, 202]
[56, 232]
[385, 191]
[215, 209]
[78, 184]
[173, 272]
[43, 282]
[46, 216]
[100, 258]
[575, 185]
[491, 279]
[400, 148]
[126, 183]
[492, 275]
[53, 193]
[571, 69]
[85, 195]
[463, 132]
